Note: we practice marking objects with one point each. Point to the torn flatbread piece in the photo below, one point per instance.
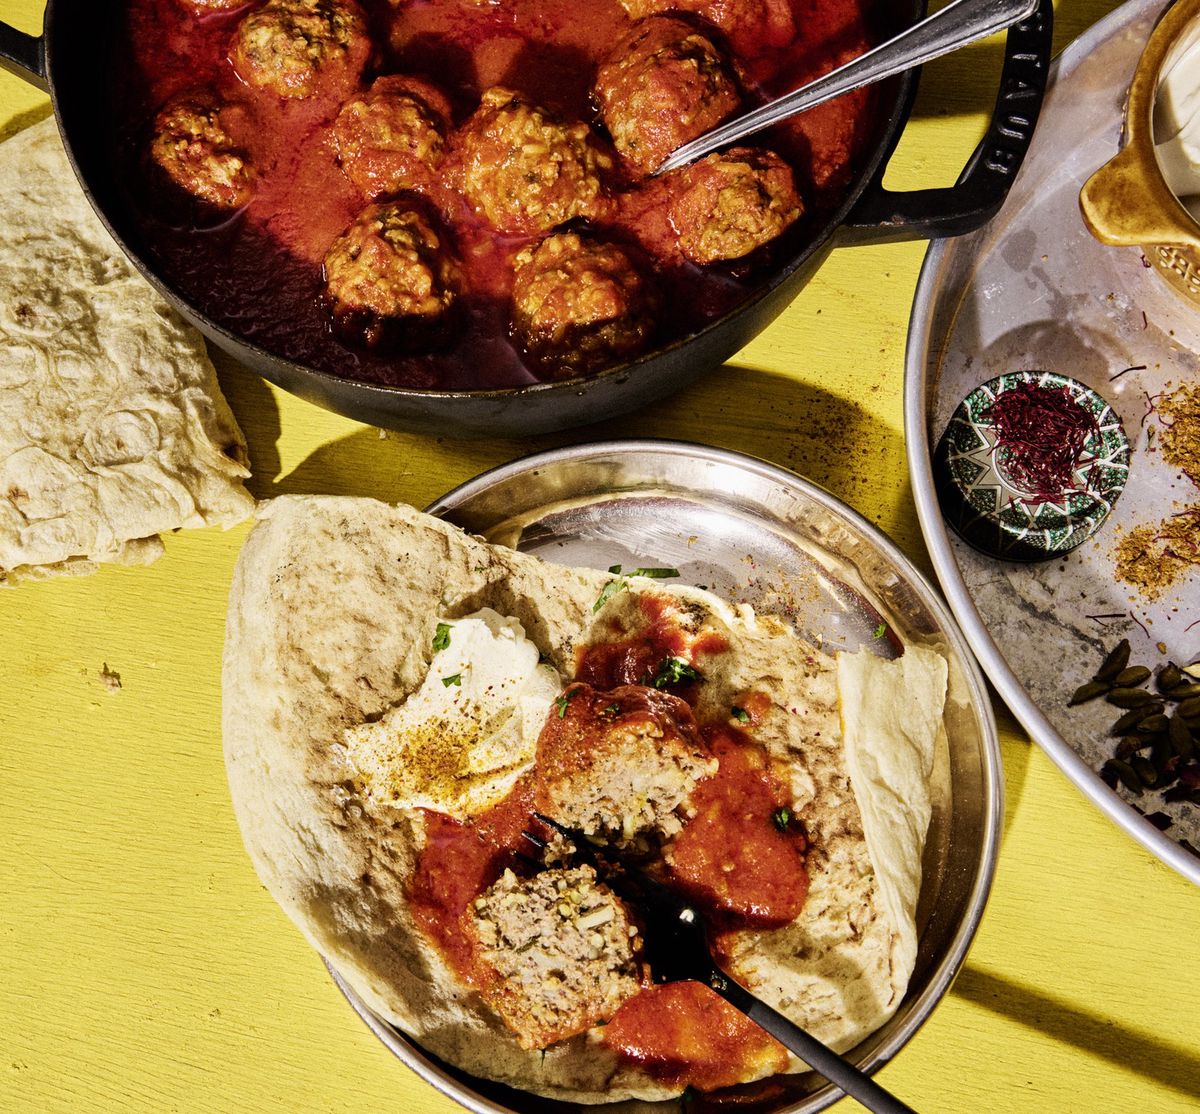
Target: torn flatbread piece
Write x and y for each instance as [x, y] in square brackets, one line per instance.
[401, 698]
[113, 427]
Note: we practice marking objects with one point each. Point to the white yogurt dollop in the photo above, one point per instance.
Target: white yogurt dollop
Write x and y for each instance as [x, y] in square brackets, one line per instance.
[461, 740]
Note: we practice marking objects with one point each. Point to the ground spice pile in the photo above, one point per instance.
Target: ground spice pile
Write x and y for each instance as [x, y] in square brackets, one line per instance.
[1153, 557]
[1179, 413]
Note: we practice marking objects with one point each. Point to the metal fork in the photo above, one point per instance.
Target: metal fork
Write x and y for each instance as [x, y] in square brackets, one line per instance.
[676, 947]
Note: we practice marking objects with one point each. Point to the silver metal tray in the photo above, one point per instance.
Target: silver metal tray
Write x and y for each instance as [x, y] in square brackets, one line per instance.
[757, 534]
[1034, 290]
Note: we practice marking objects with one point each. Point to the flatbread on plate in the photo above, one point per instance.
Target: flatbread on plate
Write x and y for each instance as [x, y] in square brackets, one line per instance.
[332, 623]
[112, 424]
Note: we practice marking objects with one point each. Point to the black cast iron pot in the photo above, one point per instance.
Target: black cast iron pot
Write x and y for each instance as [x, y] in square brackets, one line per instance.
[71, 59]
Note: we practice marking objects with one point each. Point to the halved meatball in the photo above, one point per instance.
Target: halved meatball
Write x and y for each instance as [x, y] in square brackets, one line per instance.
[562, 949]
[751, 25]
[295, 48]
[579, 304]
[730, 203]
[392, 137]
[523, 171]
[619, 763]
[192, 147]
[389, 281]
[664, 84]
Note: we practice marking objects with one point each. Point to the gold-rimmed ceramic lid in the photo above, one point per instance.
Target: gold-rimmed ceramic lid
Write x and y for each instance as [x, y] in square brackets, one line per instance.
[1127, 202]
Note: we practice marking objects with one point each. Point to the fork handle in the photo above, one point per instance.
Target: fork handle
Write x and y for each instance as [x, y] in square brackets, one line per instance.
[818, 1056]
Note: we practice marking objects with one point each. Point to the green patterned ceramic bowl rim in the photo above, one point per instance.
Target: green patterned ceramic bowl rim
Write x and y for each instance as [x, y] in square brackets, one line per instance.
[983, 504]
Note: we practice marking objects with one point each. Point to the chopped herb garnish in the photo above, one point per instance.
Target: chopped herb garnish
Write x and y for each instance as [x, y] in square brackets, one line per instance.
[561, 702]
[672, 671]
[610, 590]
[614, 569]
[611, 710]
[740, 714]
[781, 818]
[453, 679]
[441, 637]
[654, 574]
[880, 631]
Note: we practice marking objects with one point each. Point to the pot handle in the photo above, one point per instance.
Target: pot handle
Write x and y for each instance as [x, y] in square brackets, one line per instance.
[24, 55]
[883, 215]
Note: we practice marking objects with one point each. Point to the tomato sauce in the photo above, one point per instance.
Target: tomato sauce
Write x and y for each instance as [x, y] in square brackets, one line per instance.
[636, 660]
[685, 1034]
[258, 273]
[741, 857]
[458, 863]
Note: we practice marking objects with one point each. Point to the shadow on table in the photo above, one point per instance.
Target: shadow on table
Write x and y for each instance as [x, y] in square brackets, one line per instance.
[25, 120]
[1170, 1064]
[831, 440]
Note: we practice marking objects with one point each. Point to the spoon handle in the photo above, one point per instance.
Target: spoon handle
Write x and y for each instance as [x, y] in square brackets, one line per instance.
[818, 1056]
[958, 24]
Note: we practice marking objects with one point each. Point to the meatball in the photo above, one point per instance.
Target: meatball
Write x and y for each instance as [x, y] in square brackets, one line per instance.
[561, 951]
[750, 25]
[728, 204]
[523, 171]
[205, 7]
[579, 304]
[295, 48]
[620, 763]
[388, 279]
[663, 85]
[391, 138]
[195, 152]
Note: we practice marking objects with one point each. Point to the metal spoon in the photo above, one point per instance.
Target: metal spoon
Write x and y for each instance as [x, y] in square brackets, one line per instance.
[958, 24]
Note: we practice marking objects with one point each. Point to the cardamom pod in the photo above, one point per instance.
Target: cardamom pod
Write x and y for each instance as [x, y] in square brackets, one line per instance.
[1169, 676]
[1118, 658]
[1134, 675]
[1088, 692]
[1123, 697]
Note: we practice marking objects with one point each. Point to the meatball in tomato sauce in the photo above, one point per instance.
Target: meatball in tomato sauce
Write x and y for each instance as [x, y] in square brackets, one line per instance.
[664, 84]
[193, 150]
[297, 48]
[579, 304]
[750, 25]
[208, 7]
[392, 137]
[389, 279]
[523, 171]
[728, 204]
[621, 763]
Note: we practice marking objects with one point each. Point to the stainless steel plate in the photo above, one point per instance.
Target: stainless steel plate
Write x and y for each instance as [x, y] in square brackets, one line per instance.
[1035, 290]
[755, 533]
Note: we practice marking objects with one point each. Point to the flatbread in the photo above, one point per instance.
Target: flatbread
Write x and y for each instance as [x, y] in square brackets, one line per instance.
[112, 424]
[331, 616]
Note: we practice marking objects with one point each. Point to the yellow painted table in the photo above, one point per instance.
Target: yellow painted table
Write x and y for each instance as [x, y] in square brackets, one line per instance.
[143, 967]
